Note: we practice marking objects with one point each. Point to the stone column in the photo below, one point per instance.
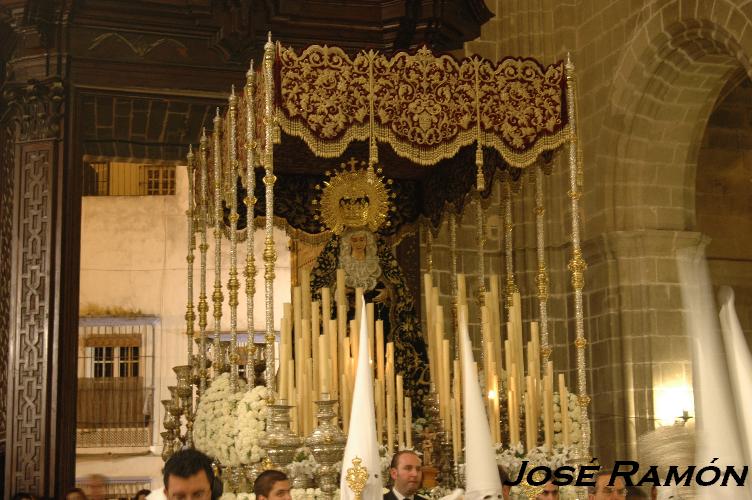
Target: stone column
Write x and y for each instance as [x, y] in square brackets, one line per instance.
[43, 314]
[636, 331]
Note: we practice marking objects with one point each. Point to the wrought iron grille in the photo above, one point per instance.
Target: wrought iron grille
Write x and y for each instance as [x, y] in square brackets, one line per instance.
[115, 382]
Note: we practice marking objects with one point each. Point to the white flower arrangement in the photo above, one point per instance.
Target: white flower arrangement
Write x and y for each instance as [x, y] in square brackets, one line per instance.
[229, 424]
[251, 424]
[303, 464]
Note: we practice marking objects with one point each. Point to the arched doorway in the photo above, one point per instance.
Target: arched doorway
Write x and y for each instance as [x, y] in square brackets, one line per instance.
[667, 82]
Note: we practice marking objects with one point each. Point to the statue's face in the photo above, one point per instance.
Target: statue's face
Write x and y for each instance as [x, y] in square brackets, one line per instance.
[358, 241]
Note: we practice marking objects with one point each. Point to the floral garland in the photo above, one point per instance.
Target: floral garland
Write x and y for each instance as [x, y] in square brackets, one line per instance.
[229, 424]
[251, 424]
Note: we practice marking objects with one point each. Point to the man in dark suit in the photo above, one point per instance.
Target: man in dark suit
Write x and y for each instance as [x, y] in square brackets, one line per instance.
[407, 476]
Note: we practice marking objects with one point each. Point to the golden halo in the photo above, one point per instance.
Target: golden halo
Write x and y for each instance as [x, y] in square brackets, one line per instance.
[354, 197]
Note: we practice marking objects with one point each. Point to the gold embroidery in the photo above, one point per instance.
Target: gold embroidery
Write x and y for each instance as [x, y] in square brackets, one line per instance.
[425, 107]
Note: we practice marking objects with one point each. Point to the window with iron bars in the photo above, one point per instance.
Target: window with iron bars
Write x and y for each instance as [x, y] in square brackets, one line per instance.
[128, 179]
[115, 382]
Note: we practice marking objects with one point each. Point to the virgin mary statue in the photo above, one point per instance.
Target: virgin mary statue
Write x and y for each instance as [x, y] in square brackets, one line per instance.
[369, 263]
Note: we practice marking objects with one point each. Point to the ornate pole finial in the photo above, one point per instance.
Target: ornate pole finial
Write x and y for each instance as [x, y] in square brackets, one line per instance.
[357, 478]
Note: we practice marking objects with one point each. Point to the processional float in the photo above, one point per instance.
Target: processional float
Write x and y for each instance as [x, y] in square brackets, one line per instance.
[427, 109]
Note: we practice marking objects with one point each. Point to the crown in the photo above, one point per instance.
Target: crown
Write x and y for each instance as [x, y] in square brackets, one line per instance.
[355, 196]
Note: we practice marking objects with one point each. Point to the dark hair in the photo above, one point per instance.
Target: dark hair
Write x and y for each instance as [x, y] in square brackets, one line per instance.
[503, 476]
[143, 492]
[75, 490]
[22, 495]
[187, 463]
[265, 482]
[396, 457]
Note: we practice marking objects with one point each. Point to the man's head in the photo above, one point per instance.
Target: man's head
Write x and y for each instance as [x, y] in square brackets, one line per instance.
[272, 485]
[602, 490]
[187, 475]
[550, 492]
[506, 489]
[406, 472]
[95, 487]
[75, 494]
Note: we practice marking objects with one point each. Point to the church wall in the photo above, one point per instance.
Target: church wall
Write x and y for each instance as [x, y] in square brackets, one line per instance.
[723, 205]
[133, 251]
[649, 74]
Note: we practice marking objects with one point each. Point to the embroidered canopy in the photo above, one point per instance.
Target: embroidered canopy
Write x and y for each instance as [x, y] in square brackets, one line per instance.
[321, 107]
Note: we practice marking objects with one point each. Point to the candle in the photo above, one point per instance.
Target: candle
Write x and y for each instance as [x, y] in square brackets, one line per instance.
[380, 414]
[308, 401]
[400, 414]
[380, 349]
[445, 379]
[315, 328]
[326, 305]
[514, 419]
[495, 405]
[341, 334]
[408, 423]
[531, 422]
[291, 381]
[455, 439]
[355, 339]
[529, 437]
[323, 365]
[333, 358]
[548, 414]
[369, 326]
[305, 285]
[283, 383]
[294, 414]
[457, 406]
[340, 291]
[390, 423]
[358, 304]
[345, 402]
[297, 310]
[461, 294]
[564, 405]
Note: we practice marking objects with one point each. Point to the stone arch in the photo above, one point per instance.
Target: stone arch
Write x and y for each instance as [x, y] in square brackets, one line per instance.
[667, 81]
[667, 78]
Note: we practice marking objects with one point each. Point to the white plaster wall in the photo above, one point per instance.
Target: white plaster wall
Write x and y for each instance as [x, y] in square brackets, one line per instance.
[133, 255]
